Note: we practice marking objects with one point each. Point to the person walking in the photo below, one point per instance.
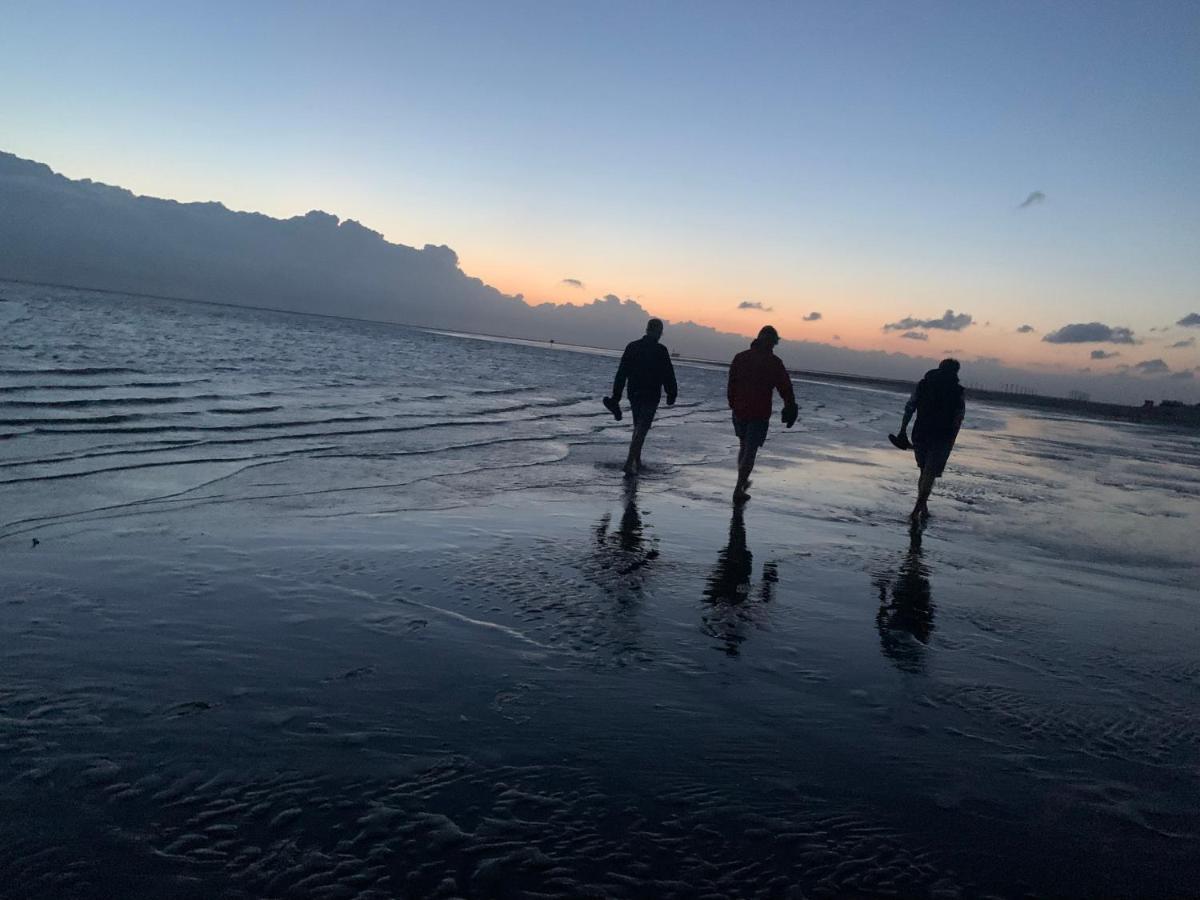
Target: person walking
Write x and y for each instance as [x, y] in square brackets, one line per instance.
[754, 376]
[939, 403]
[646, 367]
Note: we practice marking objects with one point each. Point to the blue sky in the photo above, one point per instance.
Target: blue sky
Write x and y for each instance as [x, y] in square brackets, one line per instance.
[861, 159]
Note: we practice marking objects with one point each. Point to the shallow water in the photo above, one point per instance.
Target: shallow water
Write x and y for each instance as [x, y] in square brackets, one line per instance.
[315, 608]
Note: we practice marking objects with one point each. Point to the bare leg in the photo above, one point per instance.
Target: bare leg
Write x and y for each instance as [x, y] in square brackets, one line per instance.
[634, 460]
[924, 489]
[746, 457]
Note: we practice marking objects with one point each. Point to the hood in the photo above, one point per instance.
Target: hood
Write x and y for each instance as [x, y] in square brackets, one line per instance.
[942, 375]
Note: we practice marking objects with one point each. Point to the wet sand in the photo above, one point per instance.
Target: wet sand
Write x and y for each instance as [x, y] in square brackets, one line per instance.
[326, 610]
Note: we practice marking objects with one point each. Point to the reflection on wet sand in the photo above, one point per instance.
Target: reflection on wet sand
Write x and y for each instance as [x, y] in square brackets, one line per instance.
[730, 592]
[905, 618]
[626, 551]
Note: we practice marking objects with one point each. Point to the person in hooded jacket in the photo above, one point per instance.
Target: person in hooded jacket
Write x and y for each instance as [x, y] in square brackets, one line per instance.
[646, 366]
[939, 403]
[754, 376]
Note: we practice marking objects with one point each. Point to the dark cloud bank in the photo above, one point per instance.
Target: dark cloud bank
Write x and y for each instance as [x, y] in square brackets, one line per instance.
[86, 234]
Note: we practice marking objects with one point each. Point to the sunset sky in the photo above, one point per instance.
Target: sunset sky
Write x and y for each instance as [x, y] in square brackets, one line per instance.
[1021, 163]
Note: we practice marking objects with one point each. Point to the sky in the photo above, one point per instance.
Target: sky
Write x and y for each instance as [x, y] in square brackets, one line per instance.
[1019, 164]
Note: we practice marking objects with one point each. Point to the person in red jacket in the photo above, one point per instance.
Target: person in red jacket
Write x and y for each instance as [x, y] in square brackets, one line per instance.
[754, 376]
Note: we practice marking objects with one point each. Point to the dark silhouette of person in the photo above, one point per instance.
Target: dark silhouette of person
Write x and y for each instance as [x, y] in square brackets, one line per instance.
[940, 405]
[906, 609]
[754, 376]
[729, 589]
[646, 366]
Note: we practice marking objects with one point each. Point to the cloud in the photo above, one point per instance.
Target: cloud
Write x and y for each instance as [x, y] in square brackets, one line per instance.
[1184, 374]
[1090, 333]
[1033, 199]
[1026, 329]
[1152, 367]
[837, 337]
[572, 282]
[1191, 320]
[1186, 342]
[1104, 354]
[753, 304]
[319, 263]
[813, 317]
[950, 321]
[915, 335]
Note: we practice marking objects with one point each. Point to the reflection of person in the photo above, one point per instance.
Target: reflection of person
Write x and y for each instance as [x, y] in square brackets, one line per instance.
[754, 376]
[625, 549]
[939, 404]
[729, 587]
[908, 613]
[646, 366]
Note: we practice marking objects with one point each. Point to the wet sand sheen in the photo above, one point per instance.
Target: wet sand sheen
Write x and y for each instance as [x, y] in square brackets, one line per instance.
[470, 661]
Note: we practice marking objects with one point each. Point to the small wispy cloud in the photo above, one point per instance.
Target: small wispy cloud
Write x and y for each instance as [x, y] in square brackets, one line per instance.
[1152, 367]
[572, 282]
[813, 317]
[1191, 320]
[1033, 199]
[1026, 329]
[949, 321]
[754, 304]
[1186, 342]
[915, 336]
[1104, 354]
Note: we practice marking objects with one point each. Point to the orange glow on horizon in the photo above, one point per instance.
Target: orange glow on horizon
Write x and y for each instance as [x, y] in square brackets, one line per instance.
[851, 321]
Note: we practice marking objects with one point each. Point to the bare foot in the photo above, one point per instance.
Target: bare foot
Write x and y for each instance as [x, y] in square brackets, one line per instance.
[740, 496]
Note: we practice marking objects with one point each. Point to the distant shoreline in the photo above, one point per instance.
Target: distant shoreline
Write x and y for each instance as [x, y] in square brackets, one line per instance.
[1178, 416]
[1186, 416]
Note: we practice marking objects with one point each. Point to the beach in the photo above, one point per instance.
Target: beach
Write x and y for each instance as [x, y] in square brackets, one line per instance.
[298, 606]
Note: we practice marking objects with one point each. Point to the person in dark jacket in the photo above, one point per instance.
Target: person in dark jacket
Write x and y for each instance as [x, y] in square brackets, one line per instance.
[940, 404]
[646, 367]
[754, 376]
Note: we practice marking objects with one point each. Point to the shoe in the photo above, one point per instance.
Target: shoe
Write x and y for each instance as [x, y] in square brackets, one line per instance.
[613, 407]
